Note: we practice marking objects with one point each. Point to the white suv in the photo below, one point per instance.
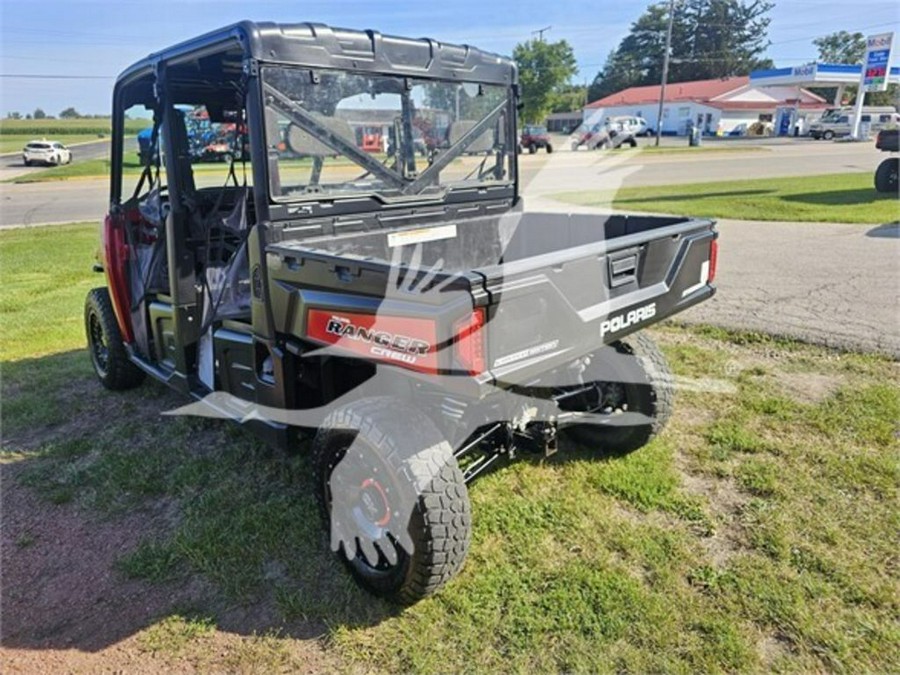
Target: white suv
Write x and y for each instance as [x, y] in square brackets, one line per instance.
[46, 152]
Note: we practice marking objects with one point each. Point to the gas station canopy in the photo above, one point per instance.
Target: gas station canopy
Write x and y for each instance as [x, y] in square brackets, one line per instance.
[815, 75]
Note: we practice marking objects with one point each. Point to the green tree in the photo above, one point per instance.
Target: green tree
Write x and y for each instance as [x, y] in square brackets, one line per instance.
[39, 114]
[545, 69]
[841, 47]
[69, 114]
[710, 39]
[569, 98]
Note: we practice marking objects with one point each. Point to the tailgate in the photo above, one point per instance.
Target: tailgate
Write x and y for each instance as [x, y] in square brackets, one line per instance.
[549, 308]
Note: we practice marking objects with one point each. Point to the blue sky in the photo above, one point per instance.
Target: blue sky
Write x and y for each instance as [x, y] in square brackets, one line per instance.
[96, 39]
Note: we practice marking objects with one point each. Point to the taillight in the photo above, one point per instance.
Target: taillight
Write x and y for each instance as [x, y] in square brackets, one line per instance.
[713, 259]
[468, 342]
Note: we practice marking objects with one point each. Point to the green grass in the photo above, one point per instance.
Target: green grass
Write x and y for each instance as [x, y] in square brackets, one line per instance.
[48, 127]
[172, 634]
[92, 168]
[14, 134]
[836, 198]
[45, 273]
[758, 533]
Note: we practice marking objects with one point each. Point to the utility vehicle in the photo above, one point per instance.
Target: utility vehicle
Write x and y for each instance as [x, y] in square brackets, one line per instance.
[405, 312]
[533, 138]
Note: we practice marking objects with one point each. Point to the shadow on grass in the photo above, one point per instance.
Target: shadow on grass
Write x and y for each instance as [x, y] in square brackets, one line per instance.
[854, 197]
[115, 517]
[690, 197]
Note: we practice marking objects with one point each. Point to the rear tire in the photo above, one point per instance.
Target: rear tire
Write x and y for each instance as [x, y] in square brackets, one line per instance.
[828, 135]
[111, 363]
[640, 368]
[384, 471]
[532, 149]
[549, 148]
[886, 176]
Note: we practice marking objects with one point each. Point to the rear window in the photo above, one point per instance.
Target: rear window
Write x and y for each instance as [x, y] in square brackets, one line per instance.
[38, 146]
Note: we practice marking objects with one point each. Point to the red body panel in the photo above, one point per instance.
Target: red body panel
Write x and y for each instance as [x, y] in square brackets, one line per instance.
[115, 264]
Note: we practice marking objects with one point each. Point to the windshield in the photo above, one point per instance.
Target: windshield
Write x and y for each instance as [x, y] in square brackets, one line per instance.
[335, 134]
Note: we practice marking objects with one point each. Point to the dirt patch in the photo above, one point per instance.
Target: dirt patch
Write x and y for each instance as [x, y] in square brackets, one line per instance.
[65, 607]
[809, 387]
[773, 648]
[693, 417]
[725, 502]
[145, 406]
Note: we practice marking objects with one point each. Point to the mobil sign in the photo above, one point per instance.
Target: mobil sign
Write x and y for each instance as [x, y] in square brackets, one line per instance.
[878, 61]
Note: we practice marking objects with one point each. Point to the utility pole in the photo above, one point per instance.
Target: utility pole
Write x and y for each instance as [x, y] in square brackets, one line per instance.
[665, 72]
[540, 32]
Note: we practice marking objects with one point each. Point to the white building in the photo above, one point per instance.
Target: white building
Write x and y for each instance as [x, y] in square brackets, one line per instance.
[715, 106]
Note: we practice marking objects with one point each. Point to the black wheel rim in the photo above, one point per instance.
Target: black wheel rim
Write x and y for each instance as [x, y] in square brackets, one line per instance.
[98, 345]
[369, 489]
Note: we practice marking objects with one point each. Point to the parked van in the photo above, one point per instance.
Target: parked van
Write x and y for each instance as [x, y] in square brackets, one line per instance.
[839, 121]
[636, 126]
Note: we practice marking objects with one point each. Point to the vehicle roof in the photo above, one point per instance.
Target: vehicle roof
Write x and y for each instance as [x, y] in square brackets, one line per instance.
[318, 45]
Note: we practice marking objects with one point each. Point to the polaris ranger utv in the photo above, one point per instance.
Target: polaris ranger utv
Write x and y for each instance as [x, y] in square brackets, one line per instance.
[406, 312]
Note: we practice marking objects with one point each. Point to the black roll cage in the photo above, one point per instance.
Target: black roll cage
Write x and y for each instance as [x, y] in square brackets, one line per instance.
[255, 45]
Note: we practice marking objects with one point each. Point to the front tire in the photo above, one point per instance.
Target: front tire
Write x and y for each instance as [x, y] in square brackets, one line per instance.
[549, 148]
[393, 498]
[110, 360]
[532, 149]
[635, 376]
[828, 135]
[886, 176]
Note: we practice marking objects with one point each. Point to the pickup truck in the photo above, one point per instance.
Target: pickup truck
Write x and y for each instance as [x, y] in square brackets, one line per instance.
[407, 313]
[886, 175]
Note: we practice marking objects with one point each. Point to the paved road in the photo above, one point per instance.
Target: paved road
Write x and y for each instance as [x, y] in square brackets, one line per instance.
[56, 202]
[825, 283]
